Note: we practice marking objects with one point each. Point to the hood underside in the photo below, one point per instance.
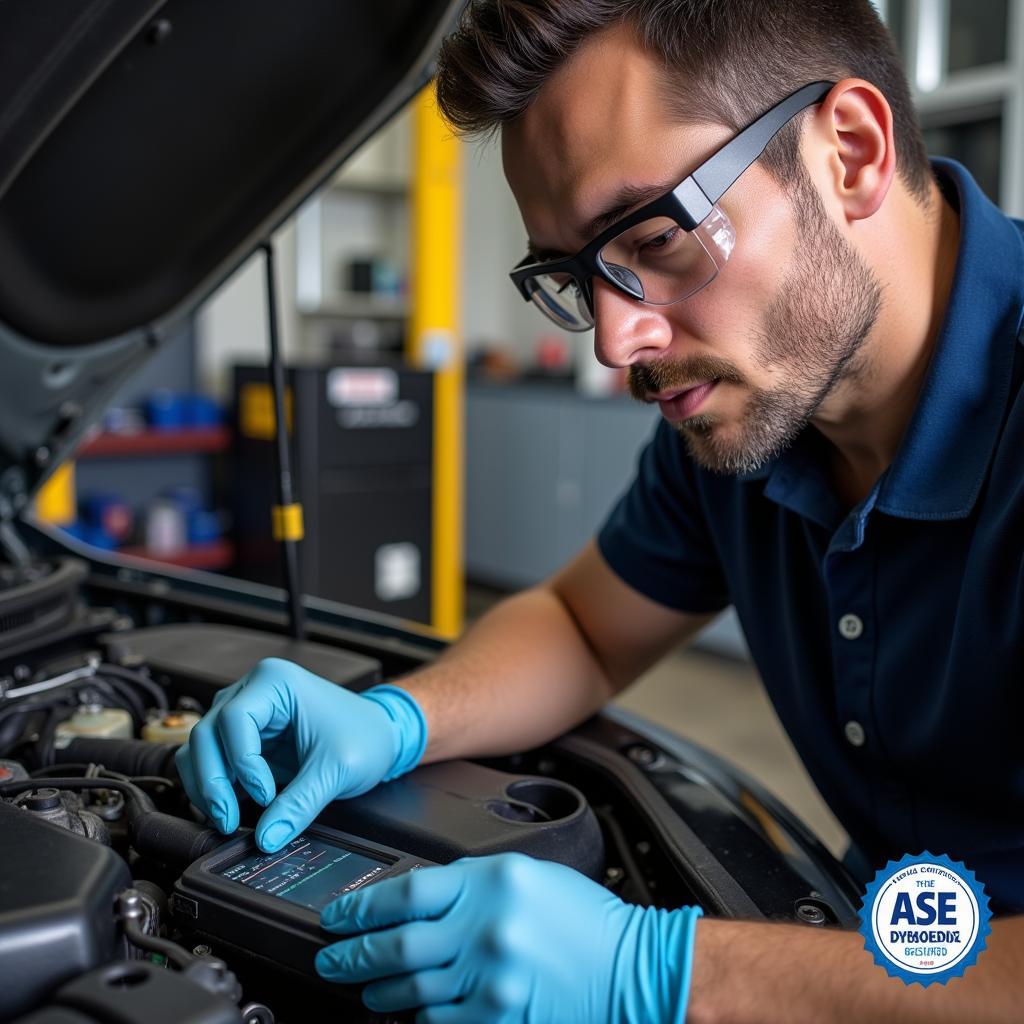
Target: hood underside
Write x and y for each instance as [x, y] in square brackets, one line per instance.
[146, 149]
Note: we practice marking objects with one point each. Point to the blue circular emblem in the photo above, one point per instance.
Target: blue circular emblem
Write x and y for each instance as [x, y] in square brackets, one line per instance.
[925, 918]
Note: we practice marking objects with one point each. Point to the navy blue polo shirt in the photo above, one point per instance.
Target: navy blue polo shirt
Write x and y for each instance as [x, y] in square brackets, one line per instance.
[890, 637]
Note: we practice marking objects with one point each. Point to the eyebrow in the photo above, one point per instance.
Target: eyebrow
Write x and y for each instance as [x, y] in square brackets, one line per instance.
[627, 199]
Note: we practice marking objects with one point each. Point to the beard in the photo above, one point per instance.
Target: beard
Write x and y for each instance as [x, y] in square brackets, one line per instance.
[824, 311]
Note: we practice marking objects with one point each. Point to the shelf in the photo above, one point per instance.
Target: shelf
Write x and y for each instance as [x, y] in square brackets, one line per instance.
[187, 441]
[212, 557]
[359, 307]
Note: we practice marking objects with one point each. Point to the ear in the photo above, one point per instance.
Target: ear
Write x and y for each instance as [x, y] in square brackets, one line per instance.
[853, 130]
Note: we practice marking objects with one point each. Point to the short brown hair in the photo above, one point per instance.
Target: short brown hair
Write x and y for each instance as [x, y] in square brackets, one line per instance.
[743, 55]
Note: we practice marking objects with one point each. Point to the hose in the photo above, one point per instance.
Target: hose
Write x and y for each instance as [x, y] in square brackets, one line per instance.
[131, 757]
[155, 691]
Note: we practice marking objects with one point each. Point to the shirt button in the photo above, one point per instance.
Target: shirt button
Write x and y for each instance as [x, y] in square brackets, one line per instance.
[855, 735]
[850, 627]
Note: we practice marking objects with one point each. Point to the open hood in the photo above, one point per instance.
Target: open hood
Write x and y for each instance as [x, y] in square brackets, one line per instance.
[147, 147]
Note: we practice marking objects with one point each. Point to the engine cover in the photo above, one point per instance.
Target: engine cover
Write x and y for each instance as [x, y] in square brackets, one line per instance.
[57, 894]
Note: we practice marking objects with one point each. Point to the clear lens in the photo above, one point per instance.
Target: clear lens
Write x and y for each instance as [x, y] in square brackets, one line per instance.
[559, 297]
[655, 261]
[658, 262]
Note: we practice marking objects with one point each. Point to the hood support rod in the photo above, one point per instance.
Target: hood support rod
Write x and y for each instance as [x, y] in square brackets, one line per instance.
[287, 514]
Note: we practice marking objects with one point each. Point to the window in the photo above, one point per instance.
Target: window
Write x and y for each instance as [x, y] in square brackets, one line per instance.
[976, 142]
[976, 33]
[965, 63]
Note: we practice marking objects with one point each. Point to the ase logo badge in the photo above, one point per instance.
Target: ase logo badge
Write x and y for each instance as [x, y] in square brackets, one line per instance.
[925, 918]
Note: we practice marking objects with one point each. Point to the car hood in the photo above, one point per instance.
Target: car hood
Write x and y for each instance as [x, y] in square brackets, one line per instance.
[146, 150]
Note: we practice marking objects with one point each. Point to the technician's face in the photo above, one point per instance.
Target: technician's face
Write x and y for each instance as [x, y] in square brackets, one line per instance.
[739, 368]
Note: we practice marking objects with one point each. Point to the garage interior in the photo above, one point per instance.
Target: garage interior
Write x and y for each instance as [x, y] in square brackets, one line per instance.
[430, 447]
[527, 505]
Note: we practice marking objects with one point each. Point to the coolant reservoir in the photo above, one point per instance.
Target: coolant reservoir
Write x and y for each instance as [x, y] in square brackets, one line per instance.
[96, 722]
[172, 727]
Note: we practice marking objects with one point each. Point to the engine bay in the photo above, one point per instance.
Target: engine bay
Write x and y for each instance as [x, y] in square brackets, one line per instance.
[118, 902]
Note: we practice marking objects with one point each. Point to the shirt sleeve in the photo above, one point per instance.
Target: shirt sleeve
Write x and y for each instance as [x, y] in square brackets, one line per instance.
[656, 538]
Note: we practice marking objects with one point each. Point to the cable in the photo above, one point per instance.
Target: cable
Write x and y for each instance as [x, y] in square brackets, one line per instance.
[155, 691]
[129, 698]
[32, 707]
[152, 780]
[24, 709]
[208, 972]
[177, 955]
[47, 741]
[111, 696]
[100, 772]
[81, 766]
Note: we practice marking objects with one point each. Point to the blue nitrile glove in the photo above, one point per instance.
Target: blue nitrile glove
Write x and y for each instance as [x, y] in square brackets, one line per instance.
[506, 939]
[328, 742]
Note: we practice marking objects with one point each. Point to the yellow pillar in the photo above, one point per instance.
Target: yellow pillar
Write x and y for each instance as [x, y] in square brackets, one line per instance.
[435, 342]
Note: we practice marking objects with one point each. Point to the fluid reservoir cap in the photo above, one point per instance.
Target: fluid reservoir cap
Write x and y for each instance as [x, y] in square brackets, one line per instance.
[45, 799]
[171, 727]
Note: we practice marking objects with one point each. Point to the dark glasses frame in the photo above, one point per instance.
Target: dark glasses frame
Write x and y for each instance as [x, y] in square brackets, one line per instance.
[688, 204]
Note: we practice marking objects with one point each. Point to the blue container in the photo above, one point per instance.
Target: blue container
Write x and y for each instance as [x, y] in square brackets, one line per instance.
[166, 411]
[202, 411]
[204, 527]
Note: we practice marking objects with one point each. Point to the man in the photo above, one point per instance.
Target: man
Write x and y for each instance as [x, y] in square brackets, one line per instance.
[832, 330]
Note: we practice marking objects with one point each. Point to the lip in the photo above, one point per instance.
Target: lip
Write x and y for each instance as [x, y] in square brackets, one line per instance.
[681, 405]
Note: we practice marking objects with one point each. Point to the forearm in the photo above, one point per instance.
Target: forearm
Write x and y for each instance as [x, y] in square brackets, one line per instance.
[765, 973]
[521, 676]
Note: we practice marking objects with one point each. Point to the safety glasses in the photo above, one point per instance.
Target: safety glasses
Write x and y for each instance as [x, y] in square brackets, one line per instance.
[668, 249]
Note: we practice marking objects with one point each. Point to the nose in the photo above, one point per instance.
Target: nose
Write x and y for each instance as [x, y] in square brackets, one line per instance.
[626, 331]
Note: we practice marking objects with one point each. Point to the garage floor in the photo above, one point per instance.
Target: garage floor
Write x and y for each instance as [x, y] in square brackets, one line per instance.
[719, 702]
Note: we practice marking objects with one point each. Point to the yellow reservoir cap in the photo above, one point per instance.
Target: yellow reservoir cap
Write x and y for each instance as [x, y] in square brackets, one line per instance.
[172, 727]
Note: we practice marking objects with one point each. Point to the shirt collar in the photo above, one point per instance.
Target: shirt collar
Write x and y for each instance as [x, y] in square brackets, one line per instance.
[945, 452]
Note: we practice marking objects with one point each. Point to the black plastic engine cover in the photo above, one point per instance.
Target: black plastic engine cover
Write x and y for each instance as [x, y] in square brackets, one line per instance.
[135, 992]
[459, 809]
[199, 660]
[57, 894]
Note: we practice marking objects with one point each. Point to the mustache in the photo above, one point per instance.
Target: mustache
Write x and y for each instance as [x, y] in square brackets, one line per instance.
[672, 374]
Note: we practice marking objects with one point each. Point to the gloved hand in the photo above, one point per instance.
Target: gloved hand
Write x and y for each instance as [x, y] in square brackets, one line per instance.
[505, 939]
[335, 744]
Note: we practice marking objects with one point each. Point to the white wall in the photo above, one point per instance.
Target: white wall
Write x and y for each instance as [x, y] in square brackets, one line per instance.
[494, 240]
[231, 326]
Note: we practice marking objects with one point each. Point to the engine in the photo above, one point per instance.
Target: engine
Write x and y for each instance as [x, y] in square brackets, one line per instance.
[101, 913]
[118, 903]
